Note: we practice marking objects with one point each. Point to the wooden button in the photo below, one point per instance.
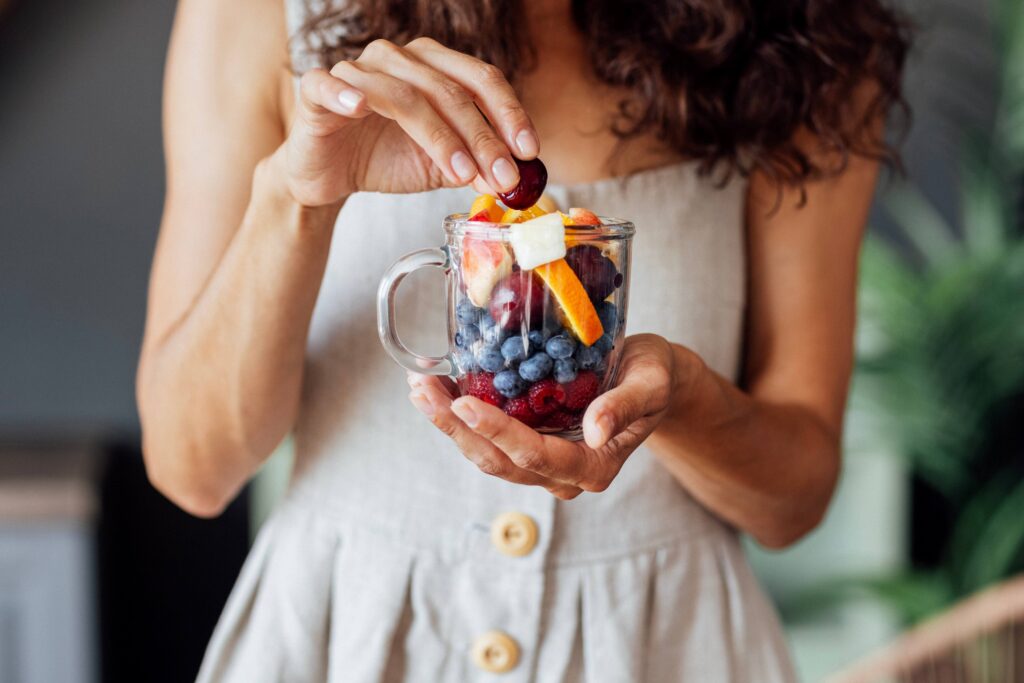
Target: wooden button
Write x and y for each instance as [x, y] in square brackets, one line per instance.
[495, 652]
[514, 534]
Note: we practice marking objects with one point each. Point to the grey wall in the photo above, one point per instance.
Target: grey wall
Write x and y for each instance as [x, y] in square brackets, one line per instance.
[81, 185]
[80, 193]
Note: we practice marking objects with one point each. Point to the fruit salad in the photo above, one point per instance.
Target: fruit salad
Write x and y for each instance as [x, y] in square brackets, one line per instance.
[538, 315]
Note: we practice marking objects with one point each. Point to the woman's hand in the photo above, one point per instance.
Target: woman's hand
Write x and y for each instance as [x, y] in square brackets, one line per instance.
[405, 119]
[615, 424]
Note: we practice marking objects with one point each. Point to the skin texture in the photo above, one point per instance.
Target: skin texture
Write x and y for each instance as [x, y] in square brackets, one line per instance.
[255, 181]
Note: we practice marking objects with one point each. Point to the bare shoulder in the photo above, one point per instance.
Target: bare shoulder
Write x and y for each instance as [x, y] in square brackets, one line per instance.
[227, 60]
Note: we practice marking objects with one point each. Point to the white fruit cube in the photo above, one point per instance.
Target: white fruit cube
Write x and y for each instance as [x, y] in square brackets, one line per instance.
[538, 241]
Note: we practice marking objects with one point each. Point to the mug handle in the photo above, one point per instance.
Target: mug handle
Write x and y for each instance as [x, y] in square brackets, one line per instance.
[433, 257]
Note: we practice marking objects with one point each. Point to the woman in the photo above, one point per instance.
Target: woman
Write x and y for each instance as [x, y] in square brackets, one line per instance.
[749, 136]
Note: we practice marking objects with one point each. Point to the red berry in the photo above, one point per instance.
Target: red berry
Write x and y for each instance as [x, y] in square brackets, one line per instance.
[582, 390]
[481, 217]
[596, 271]
[481, 385]
[519, 408]
[533, 177]
[546, 396]
[563, 420]
[517, 296]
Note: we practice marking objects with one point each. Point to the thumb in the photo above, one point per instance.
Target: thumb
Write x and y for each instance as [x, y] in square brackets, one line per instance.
[643, 390]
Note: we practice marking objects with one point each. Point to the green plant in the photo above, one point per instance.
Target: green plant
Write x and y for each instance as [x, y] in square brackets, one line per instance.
[940, 371]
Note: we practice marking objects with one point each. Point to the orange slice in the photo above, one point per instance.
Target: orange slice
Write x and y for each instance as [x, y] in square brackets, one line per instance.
[486, 202]
[568, 291]
[517, 216]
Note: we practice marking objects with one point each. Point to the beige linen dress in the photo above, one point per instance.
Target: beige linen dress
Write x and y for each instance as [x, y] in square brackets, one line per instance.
[392, 558]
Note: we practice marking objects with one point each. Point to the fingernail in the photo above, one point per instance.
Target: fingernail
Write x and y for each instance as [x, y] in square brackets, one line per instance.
[465, 169]
[423, 405]
[527, 143]
[465, 413]
[505, 173]
[350, 99]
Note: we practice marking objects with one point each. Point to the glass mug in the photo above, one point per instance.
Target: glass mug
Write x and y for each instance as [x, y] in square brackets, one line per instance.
[540, 344]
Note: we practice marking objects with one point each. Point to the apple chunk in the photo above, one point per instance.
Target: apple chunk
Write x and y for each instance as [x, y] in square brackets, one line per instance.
[484, 263]
[538, 241]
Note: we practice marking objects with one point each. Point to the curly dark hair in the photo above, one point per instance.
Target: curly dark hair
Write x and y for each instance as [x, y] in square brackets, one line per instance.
[722, 81]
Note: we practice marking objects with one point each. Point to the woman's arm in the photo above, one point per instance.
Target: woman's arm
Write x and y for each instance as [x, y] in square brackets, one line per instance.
[238, 262]
[766, 458]
[250, 212]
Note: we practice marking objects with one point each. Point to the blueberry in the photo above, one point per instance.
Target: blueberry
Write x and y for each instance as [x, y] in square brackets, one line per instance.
[604, 344]
[537, 340]
[464, 361]
[492, 332]
[466, 313]
[514, 349]
[536, 367]
[609, 316]
[565, 370]
[490, 358]
[509, 384]
[560, 346]
[466, 336]
[588, 357]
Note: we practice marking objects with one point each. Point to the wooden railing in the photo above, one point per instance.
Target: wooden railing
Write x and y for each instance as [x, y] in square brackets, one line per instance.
[980, 640]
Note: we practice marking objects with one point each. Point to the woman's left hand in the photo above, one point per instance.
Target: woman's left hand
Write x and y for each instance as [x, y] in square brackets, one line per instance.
[615, 424]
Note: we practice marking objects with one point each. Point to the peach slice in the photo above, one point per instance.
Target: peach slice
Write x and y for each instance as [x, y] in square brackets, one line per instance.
[488, 205]
[517, 216]
[578, 311]
[484, 263]
[547, 203]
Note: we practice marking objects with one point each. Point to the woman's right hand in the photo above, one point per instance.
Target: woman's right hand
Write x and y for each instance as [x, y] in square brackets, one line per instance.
[405, 119]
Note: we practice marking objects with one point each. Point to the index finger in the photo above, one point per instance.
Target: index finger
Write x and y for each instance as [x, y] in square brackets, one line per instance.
[491, 90]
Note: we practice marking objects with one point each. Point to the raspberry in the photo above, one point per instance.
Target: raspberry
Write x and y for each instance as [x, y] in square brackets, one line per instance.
[546, 396]
[481, 385]
[581, 391]
[563, 420]
[519, 408]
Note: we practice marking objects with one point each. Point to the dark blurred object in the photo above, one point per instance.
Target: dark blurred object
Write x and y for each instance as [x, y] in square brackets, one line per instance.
[163, 575]
[48, 505]
[940, 372]
[101, 578]
[981, 640]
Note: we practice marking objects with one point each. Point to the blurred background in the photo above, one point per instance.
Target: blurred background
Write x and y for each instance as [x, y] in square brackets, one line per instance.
[102, 579]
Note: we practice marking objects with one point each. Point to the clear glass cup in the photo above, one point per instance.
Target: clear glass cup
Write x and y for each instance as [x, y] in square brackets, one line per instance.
[541, 344]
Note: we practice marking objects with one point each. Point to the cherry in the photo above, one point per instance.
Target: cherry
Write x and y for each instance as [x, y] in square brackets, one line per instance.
[533, 177]
[596, 271]
[519, 296]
